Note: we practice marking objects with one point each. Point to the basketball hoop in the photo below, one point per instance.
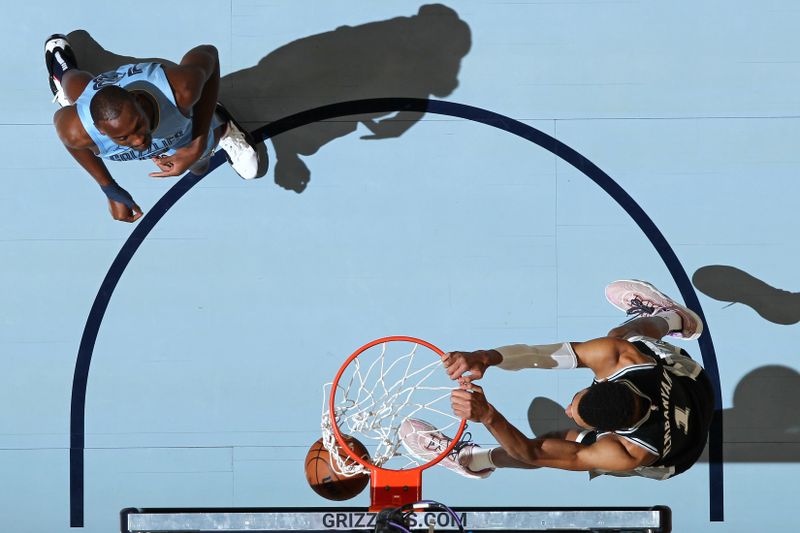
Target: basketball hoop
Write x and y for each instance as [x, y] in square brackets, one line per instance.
[376, 390]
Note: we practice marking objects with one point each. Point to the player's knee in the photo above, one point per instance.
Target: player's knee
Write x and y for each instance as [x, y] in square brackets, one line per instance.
[618, 332]
[74, 82]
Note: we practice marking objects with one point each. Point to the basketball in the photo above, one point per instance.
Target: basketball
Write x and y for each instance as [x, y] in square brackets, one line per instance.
[326, 481]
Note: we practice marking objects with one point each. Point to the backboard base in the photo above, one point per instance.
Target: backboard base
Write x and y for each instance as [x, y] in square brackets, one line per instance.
[656, 519]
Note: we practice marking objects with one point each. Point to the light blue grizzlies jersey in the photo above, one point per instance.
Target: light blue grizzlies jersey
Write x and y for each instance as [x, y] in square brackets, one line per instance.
[172, 129]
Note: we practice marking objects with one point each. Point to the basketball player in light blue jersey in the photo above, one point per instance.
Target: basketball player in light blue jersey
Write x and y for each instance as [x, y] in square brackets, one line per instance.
[168, 114]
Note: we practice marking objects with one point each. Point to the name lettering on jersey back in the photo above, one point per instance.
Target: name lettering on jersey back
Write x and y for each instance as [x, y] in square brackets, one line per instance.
[666, 388]
[156, 148]
[681, 415]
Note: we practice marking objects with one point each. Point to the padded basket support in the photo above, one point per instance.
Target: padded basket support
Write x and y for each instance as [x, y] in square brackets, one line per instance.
[394, 488]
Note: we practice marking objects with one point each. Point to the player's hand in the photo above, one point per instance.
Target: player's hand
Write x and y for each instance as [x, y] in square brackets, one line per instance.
[179, 162]
[465, 367]
[165, 166]
[172, 165]
[124, 213]
[469, 402]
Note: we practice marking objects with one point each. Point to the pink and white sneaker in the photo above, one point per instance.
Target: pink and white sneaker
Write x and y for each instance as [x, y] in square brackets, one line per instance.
[641, 299]
[424, 442]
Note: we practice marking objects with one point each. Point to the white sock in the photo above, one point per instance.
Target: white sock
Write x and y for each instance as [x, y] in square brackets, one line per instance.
[674, 320]
[481, 459]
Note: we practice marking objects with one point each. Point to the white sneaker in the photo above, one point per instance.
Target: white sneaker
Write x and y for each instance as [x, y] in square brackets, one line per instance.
[424, 442]
[239, 149]
[57, 48]
[642, 299]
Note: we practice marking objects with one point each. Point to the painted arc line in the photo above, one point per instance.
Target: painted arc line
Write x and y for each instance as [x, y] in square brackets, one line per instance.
[388, 105]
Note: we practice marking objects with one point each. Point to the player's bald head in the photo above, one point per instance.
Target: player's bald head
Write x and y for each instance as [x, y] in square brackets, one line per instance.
[109, 102]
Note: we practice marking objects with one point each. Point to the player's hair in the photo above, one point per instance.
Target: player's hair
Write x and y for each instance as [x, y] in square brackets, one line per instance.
[608, 406]
[108, 102]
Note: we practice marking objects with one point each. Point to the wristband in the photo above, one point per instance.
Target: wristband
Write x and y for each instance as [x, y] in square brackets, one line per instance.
[118, 194]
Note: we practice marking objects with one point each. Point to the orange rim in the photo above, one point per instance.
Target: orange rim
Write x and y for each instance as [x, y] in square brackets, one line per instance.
[332, 401]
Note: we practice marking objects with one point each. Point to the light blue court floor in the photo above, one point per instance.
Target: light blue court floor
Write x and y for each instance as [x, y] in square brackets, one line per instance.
[205, 383]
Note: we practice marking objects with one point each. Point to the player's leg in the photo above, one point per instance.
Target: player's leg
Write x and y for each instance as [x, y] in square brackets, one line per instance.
[491, 458]
[424, 442]
[74, 82]
[654, 327]
[241, 149]
[66, 80]
[641, 299]
[201, 165]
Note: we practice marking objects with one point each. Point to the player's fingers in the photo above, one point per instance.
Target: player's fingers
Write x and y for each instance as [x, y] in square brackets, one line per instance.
[166, 173]
[461, 394]
[462, 408]
[131, 218]
[475, 388]
[456, 370]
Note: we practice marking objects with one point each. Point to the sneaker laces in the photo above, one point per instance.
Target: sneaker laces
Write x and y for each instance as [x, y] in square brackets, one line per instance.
[237, 140]
[639, 308]
[466, 440]
[440, 442]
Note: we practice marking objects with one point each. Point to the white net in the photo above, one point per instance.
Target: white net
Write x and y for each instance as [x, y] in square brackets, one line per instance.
[381, 388]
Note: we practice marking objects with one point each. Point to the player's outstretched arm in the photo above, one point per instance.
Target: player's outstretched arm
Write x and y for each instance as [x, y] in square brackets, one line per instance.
[603, 356]
[607, 453]
[195, 84]
[120, 202]
[469, 366]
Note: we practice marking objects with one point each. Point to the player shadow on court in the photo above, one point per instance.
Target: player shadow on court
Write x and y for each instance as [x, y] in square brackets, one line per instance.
[763, 426]
[730, 284]
[415, 57]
